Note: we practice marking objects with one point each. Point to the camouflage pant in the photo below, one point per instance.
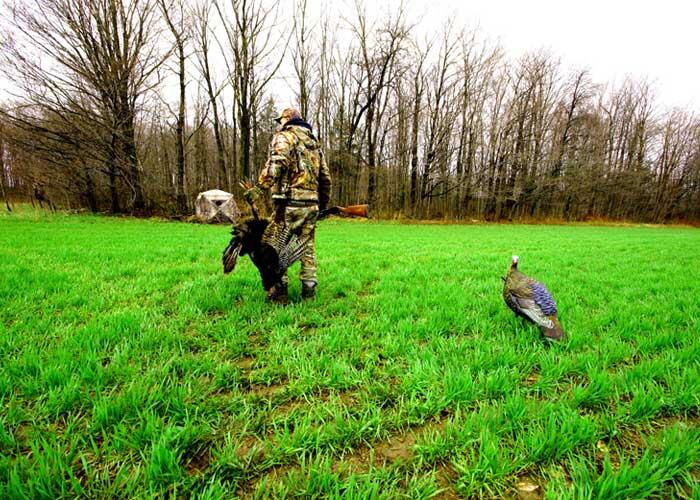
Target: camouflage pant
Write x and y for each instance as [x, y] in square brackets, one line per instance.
[302, 220]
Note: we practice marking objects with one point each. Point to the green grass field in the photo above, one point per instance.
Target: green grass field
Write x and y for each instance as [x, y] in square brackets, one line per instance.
[131, 367]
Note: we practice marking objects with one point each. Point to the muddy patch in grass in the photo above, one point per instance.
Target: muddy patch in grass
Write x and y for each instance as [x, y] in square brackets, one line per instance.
[199, 462]
[245, 363]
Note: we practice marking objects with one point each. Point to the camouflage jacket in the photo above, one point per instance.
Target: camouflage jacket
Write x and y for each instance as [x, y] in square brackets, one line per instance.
[296, 169]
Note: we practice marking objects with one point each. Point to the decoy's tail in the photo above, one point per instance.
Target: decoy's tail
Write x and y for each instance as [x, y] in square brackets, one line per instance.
[556, 332]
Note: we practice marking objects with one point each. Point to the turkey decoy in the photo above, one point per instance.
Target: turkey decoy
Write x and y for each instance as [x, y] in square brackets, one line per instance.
[531, 300]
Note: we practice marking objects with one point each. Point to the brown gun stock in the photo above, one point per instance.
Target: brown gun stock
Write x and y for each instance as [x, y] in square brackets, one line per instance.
[350, 211]
[355, 210]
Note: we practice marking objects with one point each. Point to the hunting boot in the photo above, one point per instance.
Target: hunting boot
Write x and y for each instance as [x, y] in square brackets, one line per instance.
[278, 294]
[308, 289]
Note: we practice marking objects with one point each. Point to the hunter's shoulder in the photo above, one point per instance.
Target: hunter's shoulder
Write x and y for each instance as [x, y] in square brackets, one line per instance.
[305, 136]
[283, 139]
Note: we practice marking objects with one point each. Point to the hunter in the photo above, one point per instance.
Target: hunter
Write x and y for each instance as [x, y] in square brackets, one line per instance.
[299, 180]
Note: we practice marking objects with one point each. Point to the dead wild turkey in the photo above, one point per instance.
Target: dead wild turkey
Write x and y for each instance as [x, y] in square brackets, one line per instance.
[271, 245]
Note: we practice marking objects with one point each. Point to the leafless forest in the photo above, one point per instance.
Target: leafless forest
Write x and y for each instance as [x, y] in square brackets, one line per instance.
[138, 105]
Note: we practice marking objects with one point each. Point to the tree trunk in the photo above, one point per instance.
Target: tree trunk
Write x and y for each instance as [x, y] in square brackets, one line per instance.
[2, 178]
[181, 198]
[245, 143]
[414, 147]
[371, 158]
[135, 174]
[223, 177]
[90, 192]
[112, 168]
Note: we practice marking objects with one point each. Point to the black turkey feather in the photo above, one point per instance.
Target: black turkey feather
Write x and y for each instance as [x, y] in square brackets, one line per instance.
[271, 245]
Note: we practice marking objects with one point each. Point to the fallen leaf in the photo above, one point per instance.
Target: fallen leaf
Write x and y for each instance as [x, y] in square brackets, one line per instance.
[527, 487]
[603, 447]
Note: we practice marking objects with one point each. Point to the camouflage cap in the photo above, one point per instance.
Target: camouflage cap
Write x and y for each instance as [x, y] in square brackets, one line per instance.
[286, 115]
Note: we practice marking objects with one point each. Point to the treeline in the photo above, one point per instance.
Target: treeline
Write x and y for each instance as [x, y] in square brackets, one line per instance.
[442, 126]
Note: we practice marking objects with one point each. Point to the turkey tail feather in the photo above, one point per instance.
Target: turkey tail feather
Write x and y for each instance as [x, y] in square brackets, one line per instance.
[230, 256]
[293, 251]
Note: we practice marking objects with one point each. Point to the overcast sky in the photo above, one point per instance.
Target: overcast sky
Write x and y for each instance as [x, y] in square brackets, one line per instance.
[658, 40]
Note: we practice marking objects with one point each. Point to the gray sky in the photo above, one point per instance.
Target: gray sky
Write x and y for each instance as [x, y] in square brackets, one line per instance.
[657, 40]
[654, 40]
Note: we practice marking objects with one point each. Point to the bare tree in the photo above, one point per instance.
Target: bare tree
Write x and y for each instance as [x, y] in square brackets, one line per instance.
[3, 173]
[418, 88]
[304, 65]
[449, 129]
[202, 29]
[477, 65]
[680, 145]
[180, 35]
[97, 59]
[377, 58]
[258, 53]
[440, 120]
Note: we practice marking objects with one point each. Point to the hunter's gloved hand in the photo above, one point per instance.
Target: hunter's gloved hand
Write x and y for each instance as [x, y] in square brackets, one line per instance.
[253, 194]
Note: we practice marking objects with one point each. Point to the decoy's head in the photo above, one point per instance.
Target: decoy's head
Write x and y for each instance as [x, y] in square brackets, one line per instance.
[247, 235]
[513, 267]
